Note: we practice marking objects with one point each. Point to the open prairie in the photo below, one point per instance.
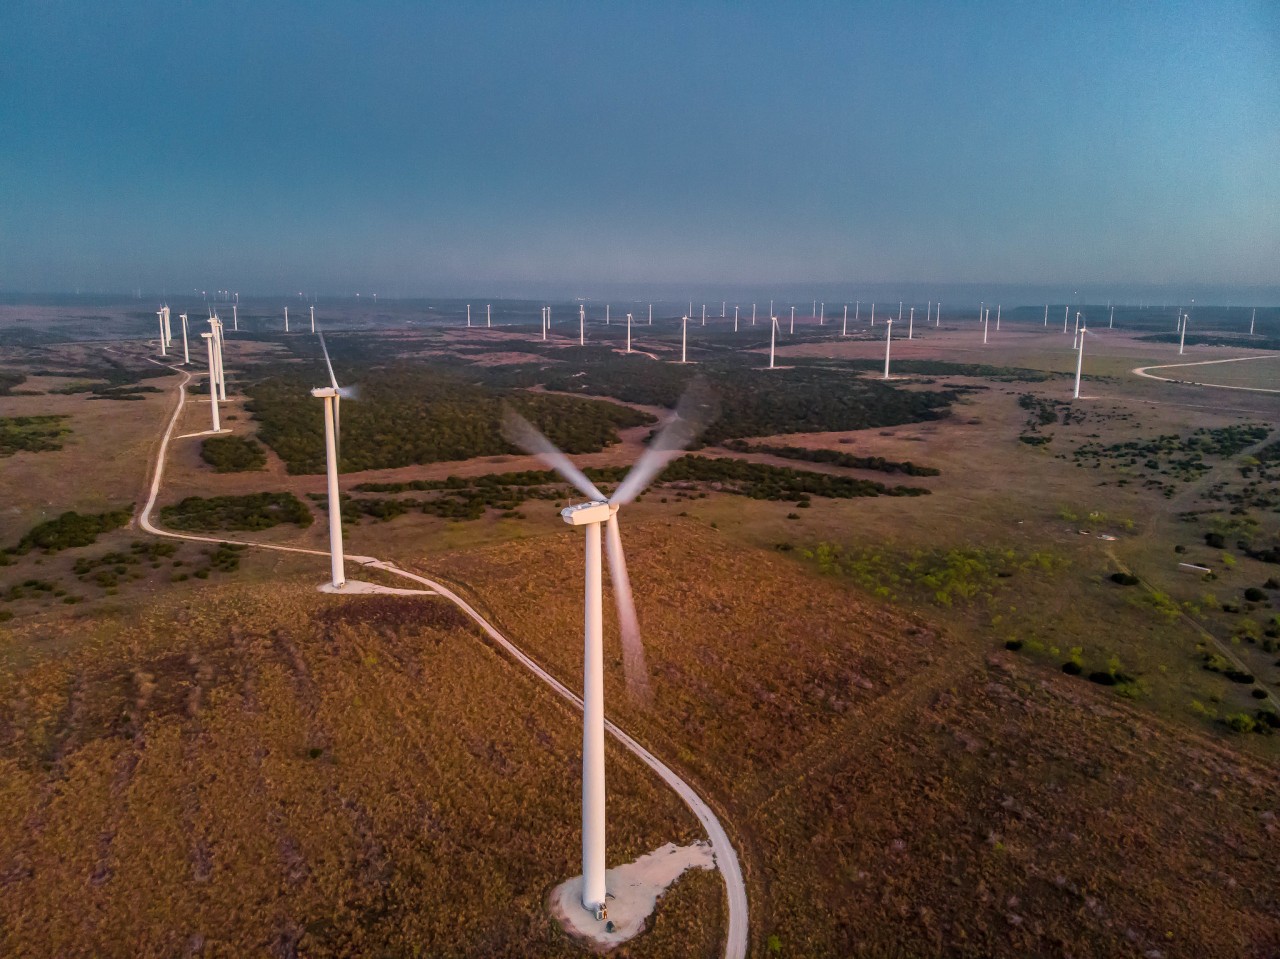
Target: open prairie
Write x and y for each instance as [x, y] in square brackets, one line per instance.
[933, 648]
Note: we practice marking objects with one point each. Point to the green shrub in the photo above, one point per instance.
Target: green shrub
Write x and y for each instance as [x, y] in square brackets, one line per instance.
[32, 434]
[253, 512]
[233, 454]
[70, 530]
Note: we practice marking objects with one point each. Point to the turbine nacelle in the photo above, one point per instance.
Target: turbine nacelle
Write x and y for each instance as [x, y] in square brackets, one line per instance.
[584, 514]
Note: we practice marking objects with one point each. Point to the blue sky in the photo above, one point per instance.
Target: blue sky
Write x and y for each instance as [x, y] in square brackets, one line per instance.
[442, 147]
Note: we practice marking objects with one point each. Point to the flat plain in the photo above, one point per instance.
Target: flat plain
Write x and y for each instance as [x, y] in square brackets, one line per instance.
[942, 723]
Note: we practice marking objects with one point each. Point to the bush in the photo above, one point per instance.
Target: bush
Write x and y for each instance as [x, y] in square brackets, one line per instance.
[1255, 595]
[1215, 540]
[233, 454]
[1124, 579]
[1013, 644]
[1072, 668]
[1240, 722]
[1259, 694]
[1239, 676]
[253, 512]
[34, 434]
[71, 529]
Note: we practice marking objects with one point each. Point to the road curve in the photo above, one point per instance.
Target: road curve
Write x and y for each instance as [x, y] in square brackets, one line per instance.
[1142, 371]
[726, 858]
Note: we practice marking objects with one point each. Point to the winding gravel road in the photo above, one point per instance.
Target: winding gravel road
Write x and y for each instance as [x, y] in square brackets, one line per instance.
[1142, 371]
[726, 858]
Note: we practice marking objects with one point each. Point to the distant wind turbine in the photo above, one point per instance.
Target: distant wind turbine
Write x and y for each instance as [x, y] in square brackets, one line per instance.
[1079, 363]
[186, 353]
[684, 340]
[332, 396]
[911, 324]
[235, 319]
[844, 326]
[773, 339]
[628, 332]
[313, 317]
[582, 325]
[213, 382]
[160, 321]
[793, 319]
[998, 308]
[468, 315]
[938, 314]
[286, 319]
[888, 341]
[488, 316]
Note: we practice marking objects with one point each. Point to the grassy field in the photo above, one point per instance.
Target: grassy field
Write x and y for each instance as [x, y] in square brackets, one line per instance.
[870, 691]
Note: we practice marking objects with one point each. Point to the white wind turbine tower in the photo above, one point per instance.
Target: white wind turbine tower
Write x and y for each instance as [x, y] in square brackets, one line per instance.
[332, 396]
[722, 310]
[213, 382]
[651, 314]
[235, 319]
[1066, 313]
[160, 321]
[186, 353]
[596, 513]
[606, 314]
[873, 314]
[684, 340]
[704, 314]
[488, 316]
[888, 341]
[773, 339]
[313, 317]
[216, 326]
[628, 332]
[938, 315]
[986, 321]
[1079, 362]
[735, 319]
[753, 314]
[582, 325]
[844, 328]
[1046, 316]
[911, 324]
[545, 322]
[822, 314]
[1253, 317]
[468, 317]
[1182, 339]
[1111, 323]
[928, 313]
[899, 311]
[793, 319]
[1076, 334]
[998, 308]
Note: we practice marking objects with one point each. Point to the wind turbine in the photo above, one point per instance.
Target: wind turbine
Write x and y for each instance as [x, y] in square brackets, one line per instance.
[753, 314]
[332, 396]
[844, 328]
[1111, 323]
[1046, 316]
[735, 319]
[911, 324]
[606, 314]
[998, 308]
[684, 340]
[186, 353]
[160, 320]
[1066, 312]
[722, 310]
[888, 340]
[938, 316]
[704, 314]
[873, 314]
[1079, 362]
[986, 322]
[928, 313]
[591, 516]
[1182, 339]
[1252, 319]
[488, 316]
[313, 317]
[235, 319]
[582, 325]
[213, 382]
[468, 316]
[793, 319]
[899, 311]
[286, 319]
[822, 314]
[651, 314]
[628, 332]
[773, 339]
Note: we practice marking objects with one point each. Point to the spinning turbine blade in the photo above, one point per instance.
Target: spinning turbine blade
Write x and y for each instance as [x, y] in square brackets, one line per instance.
[693, 412]
[520, 432]
[333, 380]
[628, 626]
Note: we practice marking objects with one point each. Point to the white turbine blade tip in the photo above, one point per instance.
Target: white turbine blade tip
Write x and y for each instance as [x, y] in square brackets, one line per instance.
[520, 432]
[694, 411]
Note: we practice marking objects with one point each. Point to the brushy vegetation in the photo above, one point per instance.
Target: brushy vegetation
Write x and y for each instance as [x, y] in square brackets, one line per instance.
[233, 454]
[834, 457]
[942, 577]
[469, 497]
[70, 530]
[1000, 374]
[407, 416]
[1169, 458]
[8, 380]
[252, 512]
[32, 434]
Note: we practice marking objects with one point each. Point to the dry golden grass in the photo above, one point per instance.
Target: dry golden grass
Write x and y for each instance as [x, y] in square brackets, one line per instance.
[891, 789]
[283, 773]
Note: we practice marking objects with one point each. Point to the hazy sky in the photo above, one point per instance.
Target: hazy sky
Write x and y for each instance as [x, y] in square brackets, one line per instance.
[438, 147]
